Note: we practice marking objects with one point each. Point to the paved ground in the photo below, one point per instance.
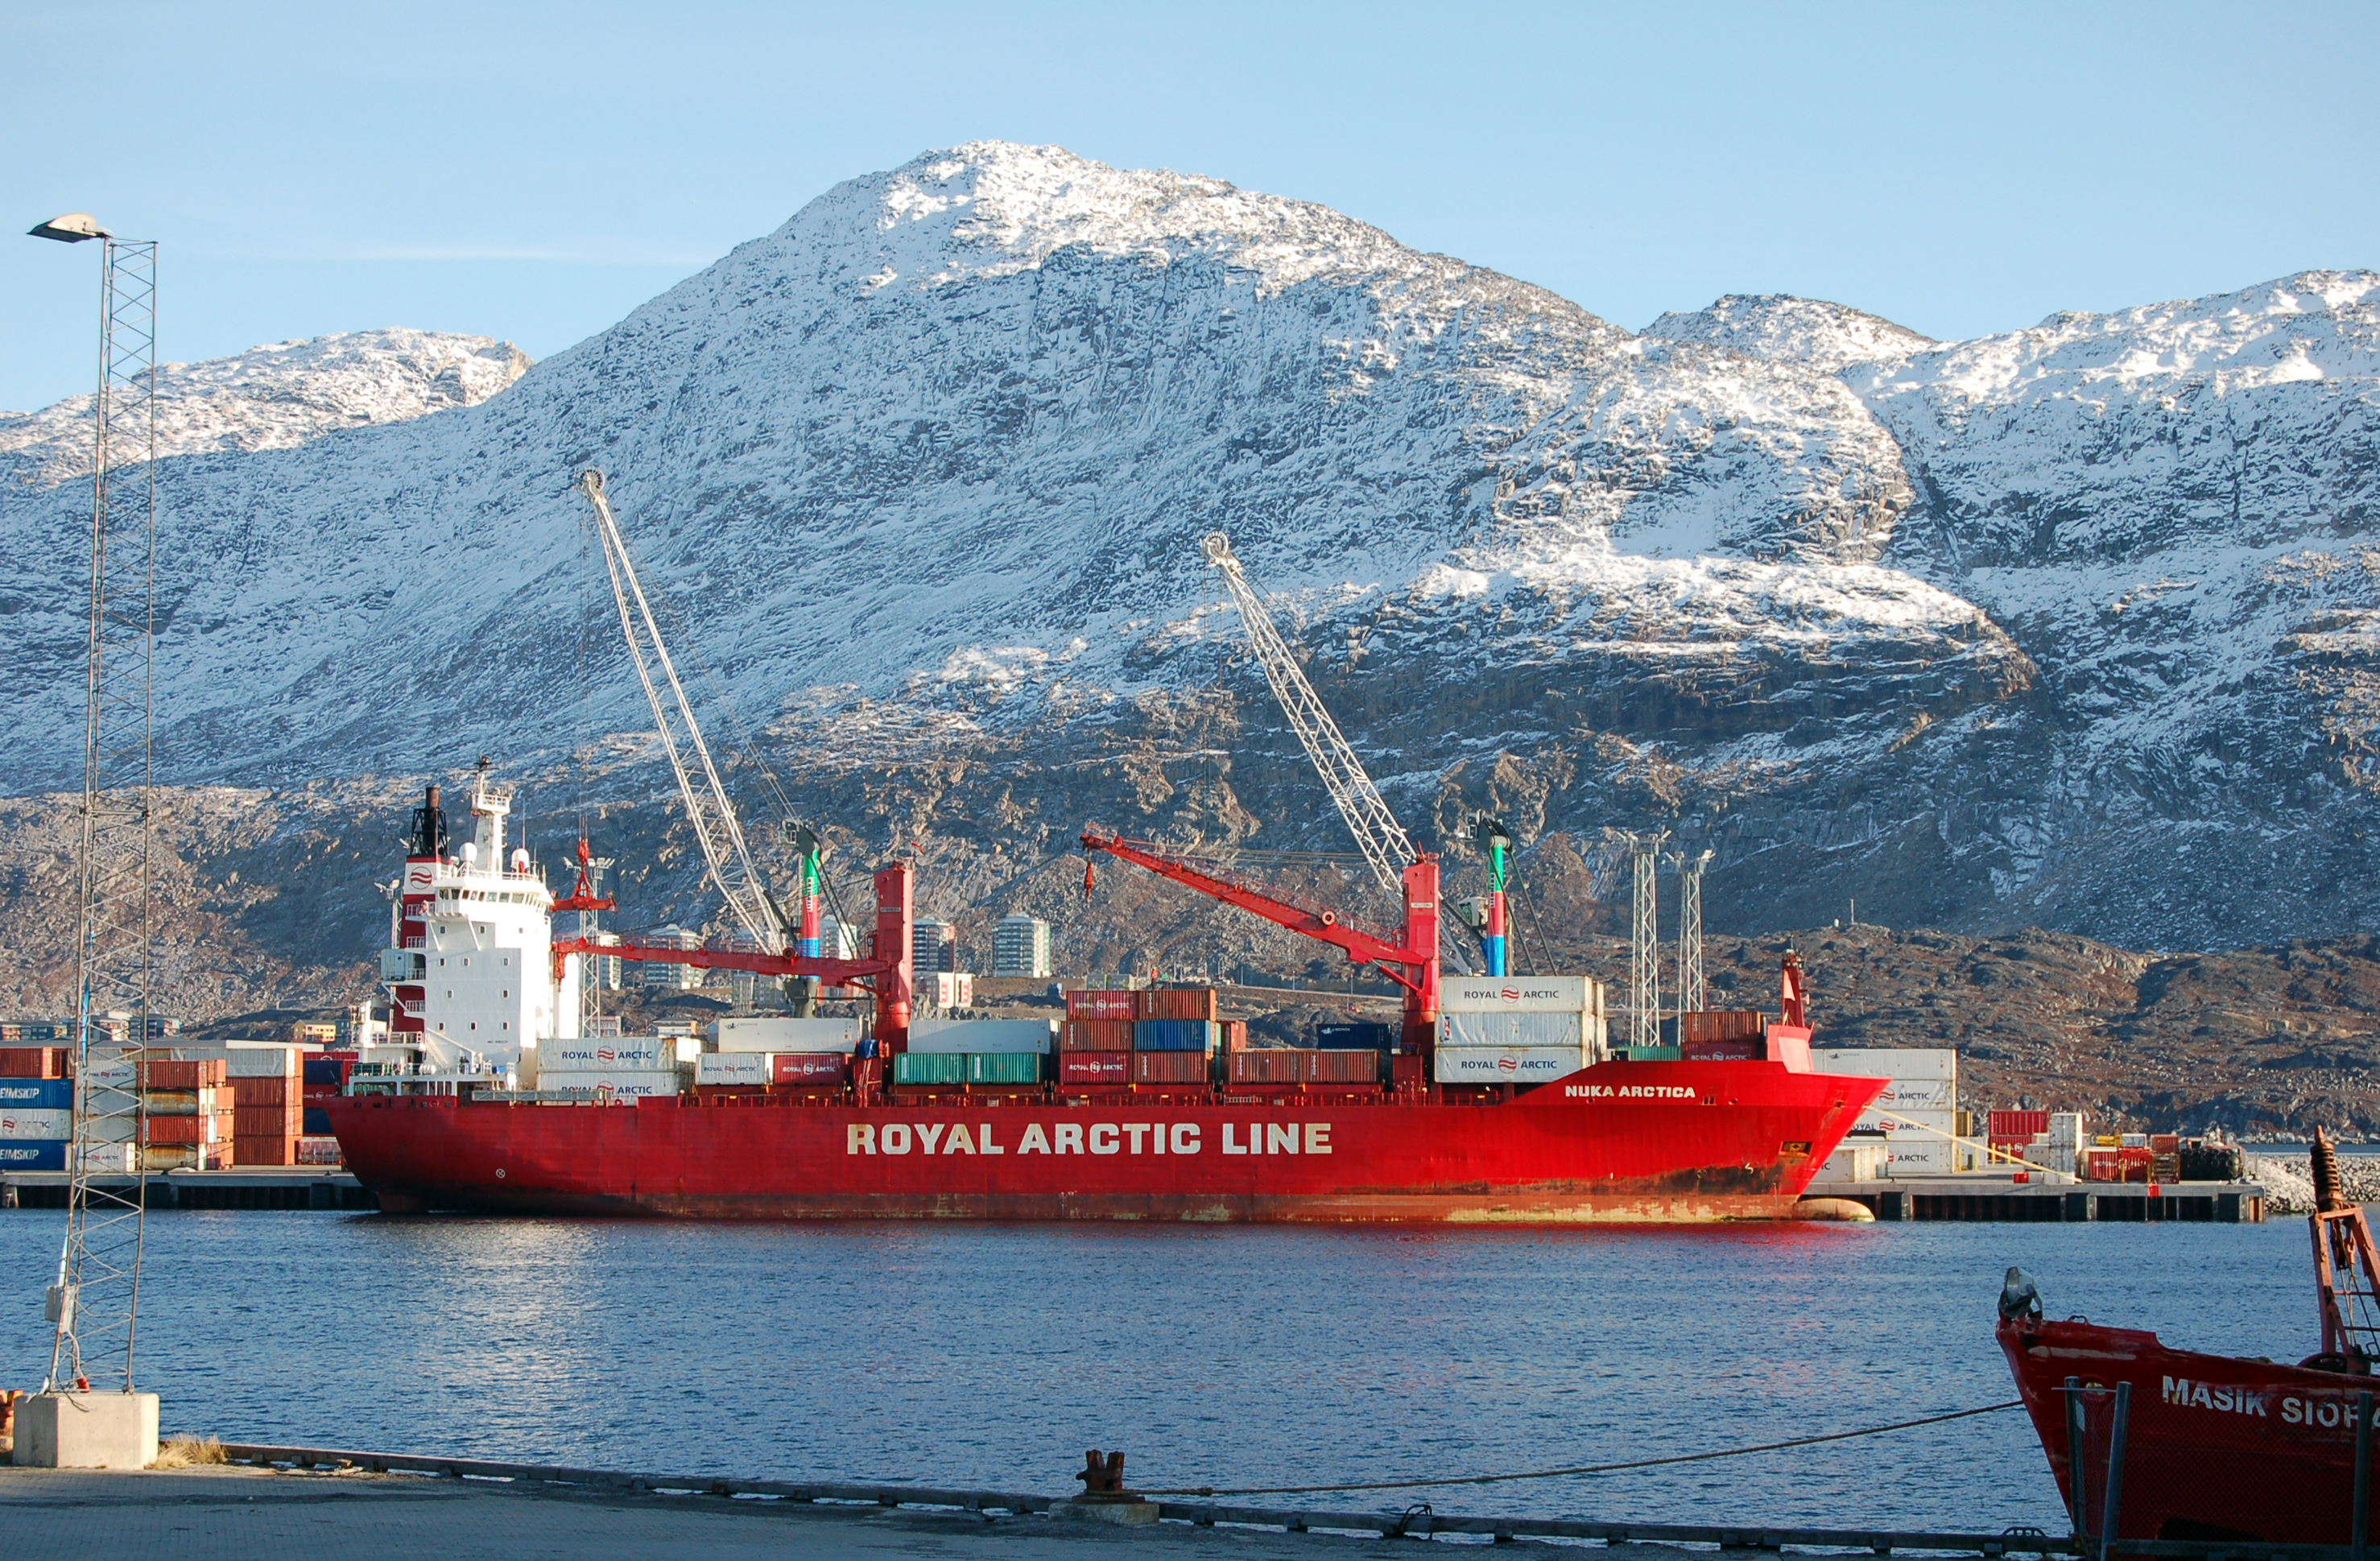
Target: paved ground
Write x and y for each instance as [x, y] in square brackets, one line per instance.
[247, 1515]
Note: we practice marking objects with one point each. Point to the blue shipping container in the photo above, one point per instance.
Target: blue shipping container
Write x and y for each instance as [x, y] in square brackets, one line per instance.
[1173, 1034]
[37, 1094]
[318, 1123]
[32, 1154]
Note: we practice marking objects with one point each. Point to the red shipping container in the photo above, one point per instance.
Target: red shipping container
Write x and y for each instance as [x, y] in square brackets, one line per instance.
[1169, 1068]
[1406, 1066]
[807, 1067]
[267, 1121]
[279, 1150]
[1098, 1066]
[1721, 1025]
[266, 1092]
[1177, 1002]
[1269, 1066]
[1095, 1035]
[2019, 1125]
[1095, 1003]
[1235, 1035]
[183, 1075]
[1706, 1049]
[1343, 1067]
[2163, 1143]
[186, 1130]
[32, 1062]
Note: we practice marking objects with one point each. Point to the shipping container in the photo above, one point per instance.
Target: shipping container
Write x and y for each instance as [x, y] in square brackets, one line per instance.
[1235, 1035]
[318, 1123]
[1705, 1048]
[816, 1068]
[788, 1035]
[1278, 1065]
[1170, 1067]
[1266, 1065]
[929, 1068]
[209, 1129]
[1096, 1067]
[1506, 1065]
[1363, 1035]
[249, 1093]
[626, 1054]
[1003, 1067]
[45, 1122]
[2164, 1144]
[1504, 1031]
[32, 1062]
[1103, 1003]
[155, 1158]
[110, 1159]
[735, 1068]
[1173, 1034]
[622, 1083]
[1095, 1035]
[37, 1094]
[267, 1121]
[1915, 1155]
[1720, 1025]
[1194, 1003]
[980, 1035]
[327, 1072]
[1519, 994]
[281, 1149]
[1939, 1063]
[185, 1102]
[2019, 1124]
[32, 1154]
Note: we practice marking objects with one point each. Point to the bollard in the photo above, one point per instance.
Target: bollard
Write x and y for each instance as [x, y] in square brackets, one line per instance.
[2115, 1469]
[2079, 1510]
[2362, 1470]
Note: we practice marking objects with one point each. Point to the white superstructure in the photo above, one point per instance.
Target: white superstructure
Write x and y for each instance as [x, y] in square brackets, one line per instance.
[474, 938]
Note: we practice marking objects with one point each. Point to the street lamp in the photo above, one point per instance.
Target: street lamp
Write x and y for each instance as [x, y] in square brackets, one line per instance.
[72, 228]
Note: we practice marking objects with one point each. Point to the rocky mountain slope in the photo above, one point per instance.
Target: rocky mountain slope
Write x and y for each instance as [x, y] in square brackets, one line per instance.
[2072, 625]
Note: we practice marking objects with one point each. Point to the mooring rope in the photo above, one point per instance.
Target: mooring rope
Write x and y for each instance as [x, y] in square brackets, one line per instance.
[1582, 1468]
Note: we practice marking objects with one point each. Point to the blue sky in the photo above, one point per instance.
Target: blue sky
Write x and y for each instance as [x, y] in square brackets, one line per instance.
[533, 171]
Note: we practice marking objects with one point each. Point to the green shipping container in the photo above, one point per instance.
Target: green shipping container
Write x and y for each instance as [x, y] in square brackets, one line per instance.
[931, 1068]
[1002, 1067]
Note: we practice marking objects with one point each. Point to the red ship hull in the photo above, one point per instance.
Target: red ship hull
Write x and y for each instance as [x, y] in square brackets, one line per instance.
[1622, 1141]
[2215, 1448]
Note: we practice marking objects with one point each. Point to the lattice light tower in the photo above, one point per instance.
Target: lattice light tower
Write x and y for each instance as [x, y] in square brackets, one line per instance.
[1691, 992]
[95, 1302]
[1644, 943]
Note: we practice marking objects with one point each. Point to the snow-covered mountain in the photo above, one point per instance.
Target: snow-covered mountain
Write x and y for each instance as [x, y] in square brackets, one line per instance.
[2071, 625]
[274, 397]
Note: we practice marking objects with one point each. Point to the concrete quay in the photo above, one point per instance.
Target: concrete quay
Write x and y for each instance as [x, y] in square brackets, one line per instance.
[222, 1513]
[251, 1187]
[1989, 1196]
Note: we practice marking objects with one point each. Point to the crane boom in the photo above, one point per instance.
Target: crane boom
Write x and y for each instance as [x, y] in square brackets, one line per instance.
[1377, 835]
[707, 808]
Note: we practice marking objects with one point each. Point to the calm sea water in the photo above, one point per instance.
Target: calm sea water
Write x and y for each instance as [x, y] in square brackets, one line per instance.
[992, 1356]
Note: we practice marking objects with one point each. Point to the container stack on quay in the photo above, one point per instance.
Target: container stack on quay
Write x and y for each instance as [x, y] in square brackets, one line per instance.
[36, 1107]
[1916, 1122]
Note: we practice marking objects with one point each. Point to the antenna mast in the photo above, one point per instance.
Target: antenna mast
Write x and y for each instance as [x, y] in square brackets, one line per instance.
[95, 1302]
[1691, 992]
[1645, 942]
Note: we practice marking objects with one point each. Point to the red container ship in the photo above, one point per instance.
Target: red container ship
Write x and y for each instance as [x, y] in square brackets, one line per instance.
[1734, 1134]
[2212, 1447]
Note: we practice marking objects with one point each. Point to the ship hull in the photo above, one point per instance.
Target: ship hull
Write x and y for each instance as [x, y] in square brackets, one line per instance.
[1684, 1141]
[2215, 1448]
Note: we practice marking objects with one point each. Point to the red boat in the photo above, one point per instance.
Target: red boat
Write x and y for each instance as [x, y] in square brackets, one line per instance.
[1619, 1141]
[2212, 1447]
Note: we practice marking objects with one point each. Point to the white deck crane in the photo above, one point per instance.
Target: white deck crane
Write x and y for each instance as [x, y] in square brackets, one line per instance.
[708, 810]
[1378, 834]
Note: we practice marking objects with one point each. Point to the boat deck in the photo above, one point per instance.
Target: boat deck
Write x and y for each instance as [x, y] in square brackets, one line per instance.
[1987, 1197]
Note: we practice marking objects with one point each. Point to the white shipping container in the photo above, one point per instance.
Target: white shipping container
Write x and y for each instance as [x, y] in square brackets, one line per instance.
[620, 1081]
[1888, 1062]
[52, 1126]
[111, 1159]
[1911, 1124]
[245, 1062]
[1911, 1156]
[1852, 1161]
[2066, 1130]
[1519, 994]
[734, 1068]
[1905, 1095]
[618, 1052]
[1523, 1028]
[982, 1035]
[1506, 1065]
[788, 1035]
